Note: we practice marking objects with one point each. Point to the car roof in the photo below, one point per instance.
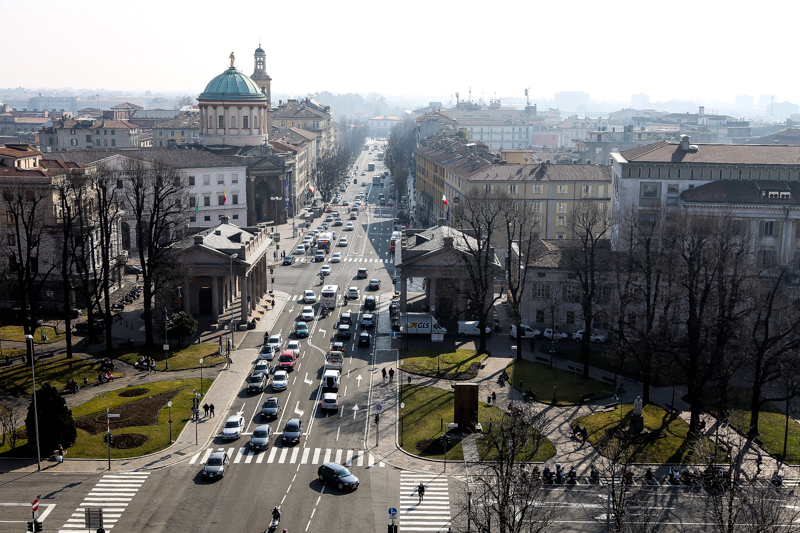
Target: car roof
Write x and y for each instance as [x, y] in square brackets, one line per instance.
[272, 398]
[217, 455]
[364, 334]
[262, 427]
[329, 395]
[287, 352]
[282, 373]
[234, 418]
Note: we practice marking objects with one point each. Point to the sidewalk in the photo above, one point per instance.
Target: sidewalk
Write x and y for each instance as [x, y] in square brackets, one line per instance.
[227, 384]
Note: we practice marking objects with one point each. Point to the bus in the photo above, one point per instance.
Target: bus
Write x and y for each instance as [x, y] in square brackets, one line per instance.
[376, 180]
[324, 241]
[371, 167]
[329, 296]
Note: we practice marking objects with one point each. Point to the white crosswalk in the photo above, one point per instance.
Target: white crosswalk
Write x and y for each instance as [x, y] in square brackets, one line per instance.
[430, 514]
[296, 455]
[113, 493]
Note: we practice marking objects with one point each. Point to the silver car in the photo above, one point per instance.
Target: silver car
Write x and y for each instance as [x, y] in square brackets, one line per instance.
[214, 467]
[233, 427]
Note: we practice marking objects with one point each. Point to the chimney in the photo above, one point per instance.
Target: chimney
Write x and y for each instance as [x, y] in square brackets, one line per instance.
[448, 242]
[223, 219]
[198, 239]
[685, 143]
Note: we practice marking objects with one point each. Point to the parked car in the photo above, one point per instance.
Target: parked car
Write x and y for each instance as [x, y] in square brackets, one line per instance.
[594, 337]
[550, 335]
[338, 476]
[132, 269]
[233, 427]
[271, 407]
[214, 467]
[527, 332]
[260, 438]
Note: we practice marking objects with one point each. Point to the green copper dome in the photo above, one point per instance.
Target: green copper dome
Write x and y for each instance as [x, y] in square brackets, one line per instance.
[232, 85]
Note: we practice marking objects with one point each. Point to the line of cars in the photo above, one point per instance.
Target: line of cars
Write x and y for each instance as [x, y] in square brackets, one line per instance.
[528, 332]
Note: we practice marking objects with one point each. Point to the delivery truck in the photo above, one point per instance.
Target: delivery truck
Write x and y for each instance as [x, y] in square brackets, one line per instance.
[420, 323]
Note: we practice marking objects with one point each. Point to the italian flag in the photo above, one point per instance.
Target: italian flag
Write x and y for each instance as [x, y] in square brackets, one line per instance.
[444, 199]
[196, 206]
[224, 196]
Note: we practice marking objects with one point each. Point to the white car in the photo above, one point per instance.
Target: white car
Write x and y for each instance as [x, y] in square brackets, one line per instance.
[275, 343]
[352, 293]
[262, 367]
[309, 297]
[559, 335]
[326, 270]
[595, 337]
[343, 241]
[308, 314]
[301, 249]
[336, 258]
[330, 400]
[349, 227]
[233, 427]
[280, 380]
[295, 347]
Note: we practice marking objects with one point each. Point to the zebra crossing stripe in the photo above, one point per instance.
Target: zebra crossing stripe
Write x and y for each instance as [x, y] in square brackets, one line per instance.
[261, 456]
[304, 459]
[327, 455]
[349, 460]
[295, 452]
[360, 459]
[284, 453]
[315, 460]
[241, 453]
[338, 456]
[112, 492]
[249, 457]
[272, 454]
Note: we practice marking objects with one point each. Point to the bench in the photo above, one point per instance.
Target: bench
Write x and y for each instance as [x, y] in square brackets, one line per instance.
[611, 406]
[127, 344]
[214, 327]
[575, 369]
[588, 397]
[542, 359]
[609, 380]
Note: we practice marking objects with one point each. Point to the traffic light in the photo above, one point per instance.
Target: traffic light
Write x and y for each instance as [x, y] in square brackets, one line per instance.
[30, 526]
[377, 417]
[105, 437]
[271, 270]
[392, 528]
[37, 526]
[110, 439]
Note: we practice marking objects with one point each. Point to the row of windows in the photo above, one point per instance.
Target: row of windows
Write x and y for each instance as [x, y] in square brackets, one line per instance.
[303, 124]
[220, 200]
[207, 218]
[172, 133]
[708, 173]
[220, 179]
[234, 122]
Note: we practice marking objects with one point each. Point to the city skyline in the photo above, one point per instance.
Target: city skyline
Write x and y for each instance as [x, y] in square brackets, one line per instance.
[471, 56]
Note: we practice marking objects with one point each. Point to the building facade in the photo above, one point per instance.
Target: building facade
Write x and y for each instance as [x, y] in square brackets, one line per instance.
[308, 115]
[178, 131]
[88, 132]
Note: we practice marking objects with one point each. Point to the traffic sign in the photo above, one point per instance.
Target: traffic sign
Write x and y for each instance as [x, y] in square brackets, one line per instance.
[394, 334]
[392, 511]
[378, 407]
[35, 505]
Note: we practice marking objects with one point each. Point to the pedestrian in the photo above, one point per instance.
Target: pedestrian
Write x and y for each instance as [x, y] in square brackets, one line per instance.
[211, 409]
[60, 454]
[152, 364]
[383, 371]
[421, 491]
[8, 361]
[275, 254]
[205, 410]
[391, 374]
[494, 397]
[759, 460]
[137, 278]
[228, 362]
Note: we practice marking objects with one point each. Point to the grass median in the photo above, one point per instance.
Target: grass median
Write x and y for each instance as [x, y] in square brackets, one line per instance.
[457, 364]
[427, 412]
[142, 428]
[17, 334]
[569, 386]
[186, 358]
[56, 371]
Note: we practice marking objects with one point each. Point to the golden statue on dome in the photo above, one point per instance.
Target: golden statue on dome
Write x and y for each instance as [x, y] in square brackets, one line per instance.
[232, 59]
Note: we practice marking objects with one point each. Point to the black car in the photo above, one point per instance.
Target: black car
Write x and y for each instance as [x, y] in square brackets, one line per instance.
[369, 302]
[337, 475]
[288, 260]
[271, 408]
[363, 339]
[344, 332]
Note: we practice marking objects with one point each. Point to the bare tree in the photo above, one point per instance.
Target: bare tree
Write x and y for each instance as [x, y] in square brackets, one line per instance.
[586, 256]
[503, 495]
[10, 424]
[478, 217]
[399, 154]
[155, 199]
[331, 167]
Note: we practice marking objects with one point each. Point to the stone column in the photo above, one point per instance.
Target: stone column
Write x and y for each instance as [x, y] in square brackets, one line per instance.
[215, 299]
[250, 194]
[187, 308]
[243, 299]
[403, 294]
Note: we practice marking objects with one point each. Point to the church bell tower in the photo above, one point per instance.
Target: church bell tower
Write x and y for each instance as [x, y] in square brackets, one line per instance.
[262, 79]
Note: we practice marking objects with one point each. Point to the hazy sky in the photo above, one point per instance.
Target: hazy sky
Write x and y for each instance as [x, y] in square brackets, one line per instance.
[690, 49]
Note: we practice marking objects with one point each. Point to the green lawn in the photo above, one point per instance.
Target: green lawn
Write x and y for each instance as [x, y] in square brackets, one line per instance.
[606, 357]
[671, 447]
[89, 446]
[188, 357]
[569, 386]
[16, 333]
[428, 410]
[56, 370]
[771, 423]
[431, 362]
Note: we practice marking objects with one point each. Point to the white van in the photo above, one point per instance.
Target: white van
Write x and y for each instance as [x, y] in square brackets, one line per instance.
[471, 328]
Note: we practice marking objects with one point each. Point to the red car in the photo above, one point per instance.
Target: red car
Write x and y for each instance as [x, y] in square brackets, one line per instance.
[329, 210]
[338, 347]
[287, 360]
[353, 216]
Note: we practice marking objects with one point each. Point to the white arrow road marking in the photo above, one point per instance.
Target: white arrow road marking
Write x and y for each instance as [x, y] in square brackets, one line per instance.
[306, 380]
[297, 409]
[355, 411]
[241, 410]
[359, 378]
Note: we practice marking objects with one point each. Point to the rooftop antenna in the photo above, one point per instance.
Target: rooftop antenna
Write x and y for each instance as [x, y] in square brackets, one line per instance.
[527, 99]
[470, 93]
[456, 98]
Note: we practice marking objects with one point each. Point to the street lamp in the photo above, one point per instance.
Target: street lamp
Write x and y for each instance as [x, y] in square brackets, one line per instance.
[166, 336]
[276, 199]
[169, 405]
[201, 376]
[233, 339]
[29, 342]
[196, 413]
[402, 421]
